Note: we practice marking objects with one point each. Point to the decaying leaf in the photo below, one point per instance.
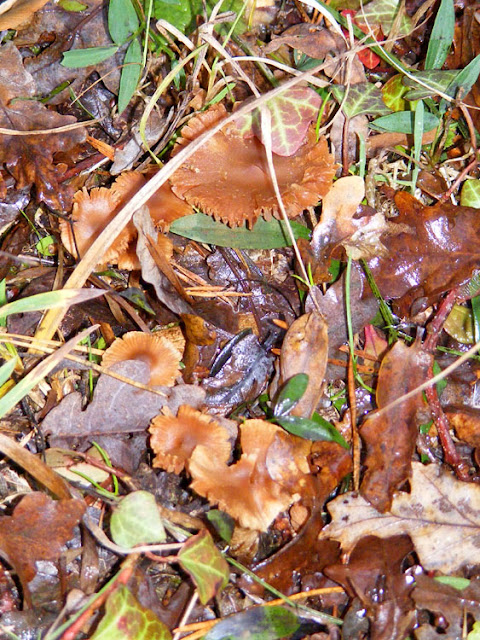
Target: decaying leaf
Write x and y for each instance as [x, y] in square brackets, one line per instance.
[441, 515]
[305, 350]
[390, 437]
[374, 574]
[30, 159]
[37, 530]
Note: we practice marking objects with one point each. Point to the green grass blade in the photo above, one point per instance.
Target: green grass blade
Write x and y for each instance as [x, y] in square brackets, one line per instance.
[122, 20]
[49, 300]
[442, 36]
[6, 370]
[130, 74]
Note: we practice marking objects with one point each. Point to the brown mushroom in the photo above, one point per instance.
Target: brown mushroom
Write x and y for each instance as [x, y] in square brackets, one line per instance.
[159, 353]
[267, 479]
[228, 177]
[174, 439]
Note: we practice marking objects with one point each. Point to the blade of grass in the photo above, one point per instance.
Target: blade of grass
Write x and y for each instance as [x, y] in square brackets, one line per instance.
[441, 37]
[49, 300]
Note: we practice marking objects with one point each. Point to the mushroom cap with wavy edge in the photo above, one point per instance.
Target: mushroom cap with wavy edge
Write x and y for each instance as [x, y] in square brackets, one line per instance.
[164, 205]
[91, 213]
[160, 354]
[268, 478]
[174, 439]
[129, 261]
[228, 176]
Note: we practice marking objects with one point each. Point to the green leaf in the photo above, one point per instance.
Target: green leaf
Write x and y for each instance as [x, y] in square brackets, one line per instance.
[223, 523]
[136, 520]
[362, 98]
[315, 428]
[78, 58]
[261, 623]
[459, 324]
[122, 20]
[470, 196]
[269, 234]
[404, 122]
[437, 82]
[290, 394]
[453, 581]
[465, 79]
[383, 13]
[441, 37]
[44, 244]
[393, 92]
[126, 619]
[182, 13]
[6, 370]
[205, 564]
[291, 112]
[130, 74]
[49, 300]
[72, 5]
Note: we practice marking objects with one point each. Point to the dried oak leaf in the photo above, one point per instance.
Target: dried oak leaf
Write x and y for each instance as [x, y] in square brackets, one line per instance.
[439, 252]
[440, 514]
[31, 159]
[374, 574]
[271, 474]
[390, 437]
[173, 438]
[228, 177]
[37, 530]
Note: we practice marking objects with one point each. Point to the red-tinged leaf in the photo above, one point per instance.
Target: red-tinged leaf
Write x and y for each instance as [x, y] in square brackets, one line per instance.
[126, 619]
[390, 437]
[291, 113]
[37, 530]
[205, 564]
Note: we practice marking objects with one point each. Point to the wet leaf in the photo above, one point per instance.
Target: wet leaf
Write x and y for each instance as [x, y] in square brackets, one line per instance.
[362, 98]
[290, 393]
[441, 515]
[265, 234]
[37, 530]
[390, 437]
[126, 619]
[136, 520]
[207, 567]
[261, 623]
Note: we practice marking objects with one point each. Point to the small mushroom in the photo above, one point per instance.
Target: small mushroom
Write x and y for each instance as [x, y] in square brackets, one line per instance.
[160, 354]
[174, 439]
[228, 177]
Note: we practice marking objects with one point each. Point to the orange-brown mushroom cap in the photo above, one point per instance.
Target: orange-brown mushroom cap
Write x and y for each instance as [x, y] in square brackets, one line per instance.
[253, 490]
[159, 353]
[228, 176]
[174, 439]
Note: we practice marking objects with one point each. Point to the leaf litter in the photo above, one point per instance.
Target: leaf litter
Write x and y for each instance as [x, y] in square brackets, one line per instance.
[289, 257]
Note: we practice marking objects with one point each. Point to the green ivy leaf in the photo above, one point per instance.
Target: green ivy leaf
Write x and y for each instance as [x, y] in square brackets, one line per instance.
[205, 564]
[362, 98]
[291, 112]
[315, 428]
[130, 74]
[261, 623]
[470, 196]
[126, 619]
[437, 81]
[136, 520]
[383, 13]
[404, 122]
[393, 93]
[269, 234]
[122, 20]
[290, 394]
[78, 58]
[223, 523]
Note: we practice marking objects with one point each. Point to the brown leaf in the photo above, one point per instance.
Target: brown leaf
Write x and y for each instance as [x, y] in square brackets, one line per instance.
[374, 574]
[441, 515]
[390, 437]
[439, 252]
[305, 350]
[37, 530]
[30, 159]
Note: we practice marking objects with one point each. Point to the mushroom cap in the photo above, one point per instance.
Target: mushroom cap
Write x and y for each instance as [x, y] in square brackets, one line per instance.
[128, 259]
[174, 439]
[159, 353]
[90, 215]
[228, 176]
[263, 483]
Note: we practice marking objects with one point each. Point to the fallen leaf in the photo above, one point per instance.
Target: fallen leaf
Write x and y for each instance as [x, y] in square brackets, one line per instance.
[441, 515]
[30, 159]
[136, 520]
[390, 437]
[207, 567]
[374, 574]
[260, 623]
[37, 530]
